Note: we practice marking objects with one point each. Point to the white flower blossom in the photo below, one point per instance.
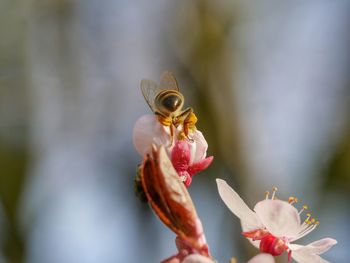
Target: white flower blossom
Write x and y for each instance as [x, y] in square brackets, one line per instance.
[275, 224]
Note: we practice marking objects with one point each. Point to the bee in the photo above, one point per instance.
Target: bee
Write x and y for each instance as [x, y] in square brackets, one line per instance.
[166, 101]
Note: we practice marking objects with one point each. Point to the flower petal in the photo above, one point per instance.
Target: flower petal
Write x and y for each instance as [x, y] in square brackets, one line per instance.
[302, 256]
[200, 166]
[280, 218]
[148, 130]
[180, 155]
[237, 206]
[201, 146]
[196, 258]
[317, 247]
[262, 258]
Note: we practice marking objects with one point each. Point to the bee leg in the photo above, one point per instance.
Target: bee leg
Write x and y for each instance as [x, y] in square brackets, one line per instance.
[182, 118]
[190, 124]
[167, 122]
[186, 132]
[171, 135]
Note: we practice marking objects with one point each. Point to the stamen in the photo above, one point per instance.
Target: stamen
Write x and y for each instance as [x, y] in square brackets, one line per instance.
[267, 195]
[308, 216]
[274, 192]
[305, 207]
[292, 200]
[307, 221]
[307, 226]
[306, 230]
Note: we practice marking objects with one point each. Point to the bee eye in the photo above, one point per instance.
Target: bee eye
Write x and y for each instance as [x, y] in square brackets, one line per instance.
[172, 102]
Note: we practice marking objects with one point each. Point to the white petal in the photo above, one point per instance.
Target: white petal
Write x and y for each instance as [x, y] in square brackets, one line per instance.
[304, 257]
[148, 130]
[201, 146]
[317, 247]
[280, 218]
[195, 258]
[262, 258]
[237, 205]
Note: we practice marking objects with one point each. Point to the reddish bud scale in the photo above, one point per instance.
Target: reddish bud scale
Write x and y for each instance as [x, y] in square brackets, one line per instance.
[268, 243]
[272, 245]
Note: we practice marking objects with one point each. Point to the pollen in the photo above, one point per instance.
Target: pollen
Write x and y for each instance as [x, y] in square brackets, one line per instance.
[307, 221]
[292, 200]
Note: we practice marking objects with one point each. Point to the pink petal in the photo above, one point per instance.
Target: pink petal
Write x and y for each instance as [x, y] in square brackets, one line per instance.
[280, 218]
[262, 258]
[237, 206]
[317, 247]
[200, 166]
[201, 146]
[180, 155]
[148, 130]
[196, 258]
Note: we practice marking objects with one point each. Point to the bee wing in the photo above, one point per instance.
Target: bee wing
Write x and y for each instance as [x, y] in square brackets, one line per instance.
[149, 91]
[170, 199]
[168, 81]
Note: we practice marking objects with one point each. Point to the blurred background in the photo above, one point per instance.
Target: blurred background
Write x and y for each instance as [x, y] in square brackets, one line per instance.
[269, 82]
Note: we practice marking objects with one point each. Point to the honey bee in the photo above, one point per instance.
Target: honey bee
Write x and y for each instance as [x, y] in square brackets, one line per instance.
[166, 101]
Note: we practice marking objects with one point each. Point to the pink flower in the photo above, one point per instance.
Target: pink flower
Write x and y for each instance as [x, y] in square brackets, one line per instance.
[188, 157]
[185, 163]
[274, 224]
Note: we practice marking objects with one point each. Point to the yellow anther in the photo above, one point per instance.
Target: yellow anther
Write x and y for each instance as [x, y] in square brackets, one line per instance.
[305, 207]
[308, 214]
[307, 221]
[317, 222]
[292, 200]
[275, 189]
[313, 220]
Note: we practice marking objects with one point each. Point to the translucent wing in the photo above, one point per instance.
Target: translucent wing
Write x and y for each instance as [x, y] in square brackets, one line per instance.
[149, 91]
[168, 81]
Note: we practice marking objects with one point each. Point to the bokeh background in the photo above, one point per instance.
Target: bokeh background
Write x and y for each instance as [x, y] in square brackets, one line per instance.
[269, 81]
